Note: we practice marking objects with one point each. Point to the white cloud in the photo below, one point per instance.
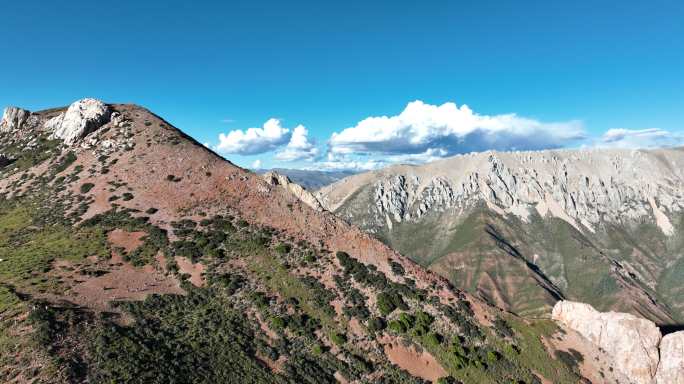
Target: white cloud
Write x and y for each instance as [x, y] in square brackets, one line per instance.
[446, 128]
[256, 164]
[640, 138]
[431, 154]
[299, 147]
[254, 140]
[350, 165]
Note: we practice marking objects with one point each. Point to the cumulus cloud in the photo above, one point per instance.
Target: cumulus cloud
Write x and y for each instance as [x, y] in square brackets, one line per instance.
[254, 140]
[299, 147]
[256, 164]
[290, 144]
[422, 127]
[640, 138]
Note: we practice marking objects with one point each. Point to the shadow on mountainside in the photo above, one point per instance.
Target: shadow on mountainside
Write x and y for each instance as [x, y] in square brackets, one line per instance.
[670, 328]
[539, 275]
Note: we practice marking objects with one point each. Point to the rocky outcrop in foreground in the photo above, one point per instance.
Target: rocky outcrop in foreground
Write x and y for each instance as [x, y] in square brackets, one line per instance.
[81, 118]
[671, 368]
[635, 343]
[13, 118]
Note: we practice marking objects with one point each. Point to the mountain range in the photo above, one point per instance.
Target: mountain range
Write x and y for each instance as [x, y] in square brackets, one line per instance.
[525, 229]
[130, 253]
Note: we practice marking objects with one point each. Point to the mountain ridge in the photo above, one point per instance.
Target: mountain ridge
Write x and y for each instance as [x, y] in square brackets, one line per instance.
[122, 247]
[594, 201]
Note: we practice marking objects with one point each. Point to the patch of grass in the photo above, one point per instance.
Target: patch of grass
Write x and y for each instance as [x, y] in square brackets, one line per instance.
[279, 279]
[28, 251]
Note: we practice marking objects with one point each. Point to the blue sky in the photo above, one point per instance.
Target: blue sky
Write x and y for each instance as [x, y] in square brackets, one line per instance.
[580, 73]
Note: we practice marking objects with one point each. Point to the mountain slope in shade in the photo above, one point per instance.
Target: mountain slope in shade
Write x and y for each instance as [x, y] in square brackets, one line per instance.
[135, 254]
[525, 228]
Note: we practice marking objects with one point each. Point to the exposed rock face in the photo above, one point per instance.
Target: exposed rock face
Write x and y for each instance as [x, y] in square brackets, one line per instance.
[671, 367]
[583, 187]
[81, 118]
[631, 340]
[608, 219]
[302, 194]
[13, 118]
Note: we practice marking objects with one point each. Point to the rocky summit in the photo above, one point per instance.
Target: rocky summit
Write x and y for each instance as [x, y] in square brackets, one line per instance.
[603, 226]
[81, 118]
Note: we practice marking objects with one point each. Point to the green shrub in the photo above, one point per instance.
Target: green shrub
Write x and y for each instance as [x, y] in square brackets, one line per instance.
[85, 188]
[447, 380]
[376, 324]
[338, 338]
[278, 323]
[492, 356]
[65, 162]
[283, 248]
[397, 326]
[433, 339]
[397, 268]
[387, 302]
[571, 358]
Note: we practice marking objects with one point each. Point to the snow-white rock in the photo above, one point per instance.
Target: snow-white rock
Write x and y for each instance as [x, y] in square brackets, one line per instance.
[81, 118]
[13, 118]
[671, 367]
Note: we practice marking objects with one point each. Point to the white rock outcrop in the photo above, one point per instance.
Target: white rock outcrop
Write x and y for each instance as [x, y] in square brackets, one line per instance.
[586, 188]
[634, 343]
[13, 118]
[81, 118]
[274, 178]
[671, 367]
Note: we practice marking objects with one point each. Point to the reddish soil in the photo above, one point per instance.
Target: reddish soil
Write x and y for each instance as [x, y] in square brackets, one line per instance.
[194, 270]
[129, 241]
[120, 281]
[419, 364]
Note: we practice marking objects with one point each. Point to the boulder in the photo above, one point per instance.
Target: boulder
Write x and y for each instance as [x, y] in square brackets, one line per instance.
[671, 367]
[13, 118]
[632, 341]
[81, 118]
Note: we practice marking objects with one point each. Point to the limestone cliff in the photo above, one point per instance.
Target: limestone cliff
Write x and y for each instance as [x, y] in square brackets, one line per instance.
[638, 349]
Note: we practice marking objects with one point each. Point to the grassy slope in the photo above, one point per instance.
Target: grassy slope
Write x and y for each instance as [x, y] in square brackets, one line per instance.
[579, 264]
